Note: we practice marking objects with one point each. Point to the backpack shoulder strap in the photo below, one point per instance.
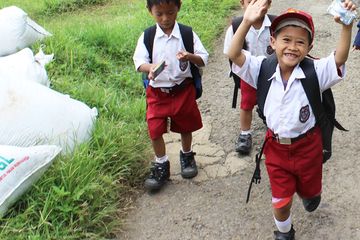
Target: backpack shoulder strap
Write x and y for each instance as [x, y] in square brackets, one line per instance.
[322, 104]
[267, 69]
[149, 36]
[235, 23]
[187, 37]
[188, 40]
[271, 17]
[311, 87]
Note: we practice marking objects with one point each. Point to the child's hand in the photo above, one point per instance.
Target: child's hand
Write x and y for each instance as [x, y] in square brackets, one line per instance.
[182, 56]
[355, 48]
[151, 72]
[255, 10]
[348, 5]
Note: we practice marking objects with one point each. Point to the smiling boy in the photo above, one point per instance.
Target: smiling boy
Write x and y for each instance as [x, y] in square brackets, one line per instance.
[294, 143]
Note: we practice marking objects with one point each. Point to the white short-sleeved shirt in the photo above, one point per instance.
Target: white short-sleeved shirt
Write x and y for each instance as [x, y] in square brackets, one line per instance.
[283, 107]
[165, 48]
[257, 40]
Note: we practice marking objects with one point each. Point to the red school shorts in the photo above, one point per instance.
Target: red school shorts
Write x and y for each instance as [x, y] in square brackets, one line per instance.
[248, 96]
[181, 107]
[296, 167]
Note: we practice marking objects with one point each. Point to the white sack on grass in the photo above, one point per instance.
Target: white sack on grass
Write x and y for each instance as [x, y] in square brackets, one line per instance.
[20, 168]
[18, 31]
[23, 65]
[32, 114]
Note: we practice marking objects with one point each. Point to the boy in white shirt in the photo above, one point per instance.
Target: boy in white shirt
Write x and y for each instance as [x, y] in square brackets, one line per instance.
[257, 42]
[171, 94]
[294, 165]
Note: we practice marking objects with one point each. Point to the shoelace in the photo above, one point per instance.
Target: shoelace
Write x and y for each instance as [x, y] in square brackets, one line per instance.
[187, 160]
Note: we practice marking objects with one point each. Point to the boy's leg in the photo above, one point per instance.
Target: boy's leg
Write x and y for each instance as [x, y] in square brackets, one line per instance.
[156, 117]
[248, 101]
[159, 147]
[283, 184]
[185, 120]
[282, 219]
[160, 170]
[187, 159]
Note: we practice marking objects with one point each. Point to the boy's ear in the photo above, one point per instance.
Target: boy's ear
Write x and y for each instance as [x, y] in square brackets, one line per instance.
[310, 47]
[272, 42]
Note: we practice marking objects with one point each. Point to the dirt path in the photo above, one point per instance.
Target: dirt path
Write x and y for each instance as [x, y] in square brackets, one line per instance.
[212, 206]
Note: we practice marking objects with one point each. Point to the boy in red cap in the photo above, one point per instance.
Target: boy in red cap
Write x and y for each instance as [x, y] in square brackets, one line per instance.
[294, 143]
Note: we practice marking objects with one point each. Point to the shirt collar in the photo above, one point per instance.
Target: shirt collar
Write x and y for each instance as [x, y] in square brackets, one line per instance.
[175, 32]
[297, 73]
[266, 24]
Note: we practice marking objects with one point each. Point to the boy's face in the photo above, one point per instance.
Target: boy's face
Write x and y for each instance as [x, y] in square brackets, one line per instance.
[165, 15]
[291, 45]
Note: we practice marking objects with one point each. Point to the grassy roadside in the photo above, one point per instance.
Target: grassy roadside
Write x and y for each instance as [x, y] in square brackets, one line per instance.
[83, 196]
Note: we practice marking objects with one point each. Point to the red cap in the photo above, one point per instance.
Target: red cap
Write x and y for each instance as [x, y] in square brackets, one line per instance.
[293, 17]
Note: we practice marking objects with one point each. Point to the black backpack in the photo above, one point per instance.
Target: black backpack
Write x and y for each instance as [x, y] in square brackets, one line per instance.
[324, 110]
[235, 23]
[188, 39]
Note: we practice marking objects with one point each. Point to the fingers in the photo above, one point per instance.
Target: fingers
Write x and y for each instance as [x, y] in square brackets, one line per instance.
[349, 5]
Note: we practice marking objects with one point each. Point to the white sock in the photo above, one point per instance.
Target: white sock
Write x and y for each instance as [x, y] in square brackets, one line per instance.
[284, 226]
[161, 159]
[246, 132]
[182, 150]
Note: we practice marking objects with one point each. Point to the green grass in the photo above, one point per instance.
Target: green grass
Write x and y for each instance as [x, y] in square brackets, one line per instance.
[85, 195]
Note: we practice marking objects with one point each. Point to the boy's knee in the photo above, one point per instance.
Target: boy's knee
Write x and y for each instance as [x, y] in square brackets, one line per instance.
[281, 204]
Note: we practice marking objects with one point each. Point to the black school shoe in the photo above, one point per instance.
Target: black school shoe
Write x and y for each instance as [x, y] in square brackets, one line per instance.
[311, 204]
[285, 236]
[188, 165]
[243, 144]
[159, 174]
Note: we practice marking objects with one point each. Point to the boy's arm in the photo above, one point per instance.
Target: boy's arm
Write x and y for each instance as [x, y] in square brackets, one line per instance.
[141, 58]
[186, 56]
[200, 55]
[255, 10]
[343, 46]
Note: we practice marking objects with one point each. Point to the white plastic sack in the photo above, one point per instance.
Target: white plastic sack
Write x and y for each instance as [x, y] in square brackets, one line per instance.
[20, 168]
[18, 31]
[23, 65]
[32, 114]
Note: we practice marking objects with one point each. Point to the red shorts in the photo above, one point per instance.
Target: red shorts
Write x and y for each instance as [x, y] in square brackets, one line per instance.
[181, 107]
[296, 167]
[248, 96]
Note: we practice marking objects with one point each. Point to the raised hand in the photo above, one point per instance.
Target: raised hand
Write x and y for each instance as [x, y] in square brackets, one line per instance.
[255, 10]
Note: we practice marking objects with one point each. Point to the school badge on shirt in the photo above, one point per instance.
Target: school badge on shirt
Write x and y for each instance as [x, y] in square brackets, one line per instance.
[183, 65]
[304, 114]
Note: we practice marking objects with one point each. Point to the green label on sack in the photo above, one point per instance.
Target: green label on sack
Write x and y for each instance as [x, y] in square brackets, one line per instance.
[4, 162]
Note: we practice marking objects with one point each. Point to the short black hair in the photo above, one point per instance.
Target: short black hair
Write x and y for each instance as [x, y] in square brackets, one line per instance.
[151, 3]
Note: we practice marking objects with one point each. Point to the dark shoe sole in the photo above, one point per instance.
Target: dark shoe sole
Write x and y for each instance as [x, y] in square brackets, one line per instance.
[243, 151]
[152, 185]
[189, 175]
[312, 204]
